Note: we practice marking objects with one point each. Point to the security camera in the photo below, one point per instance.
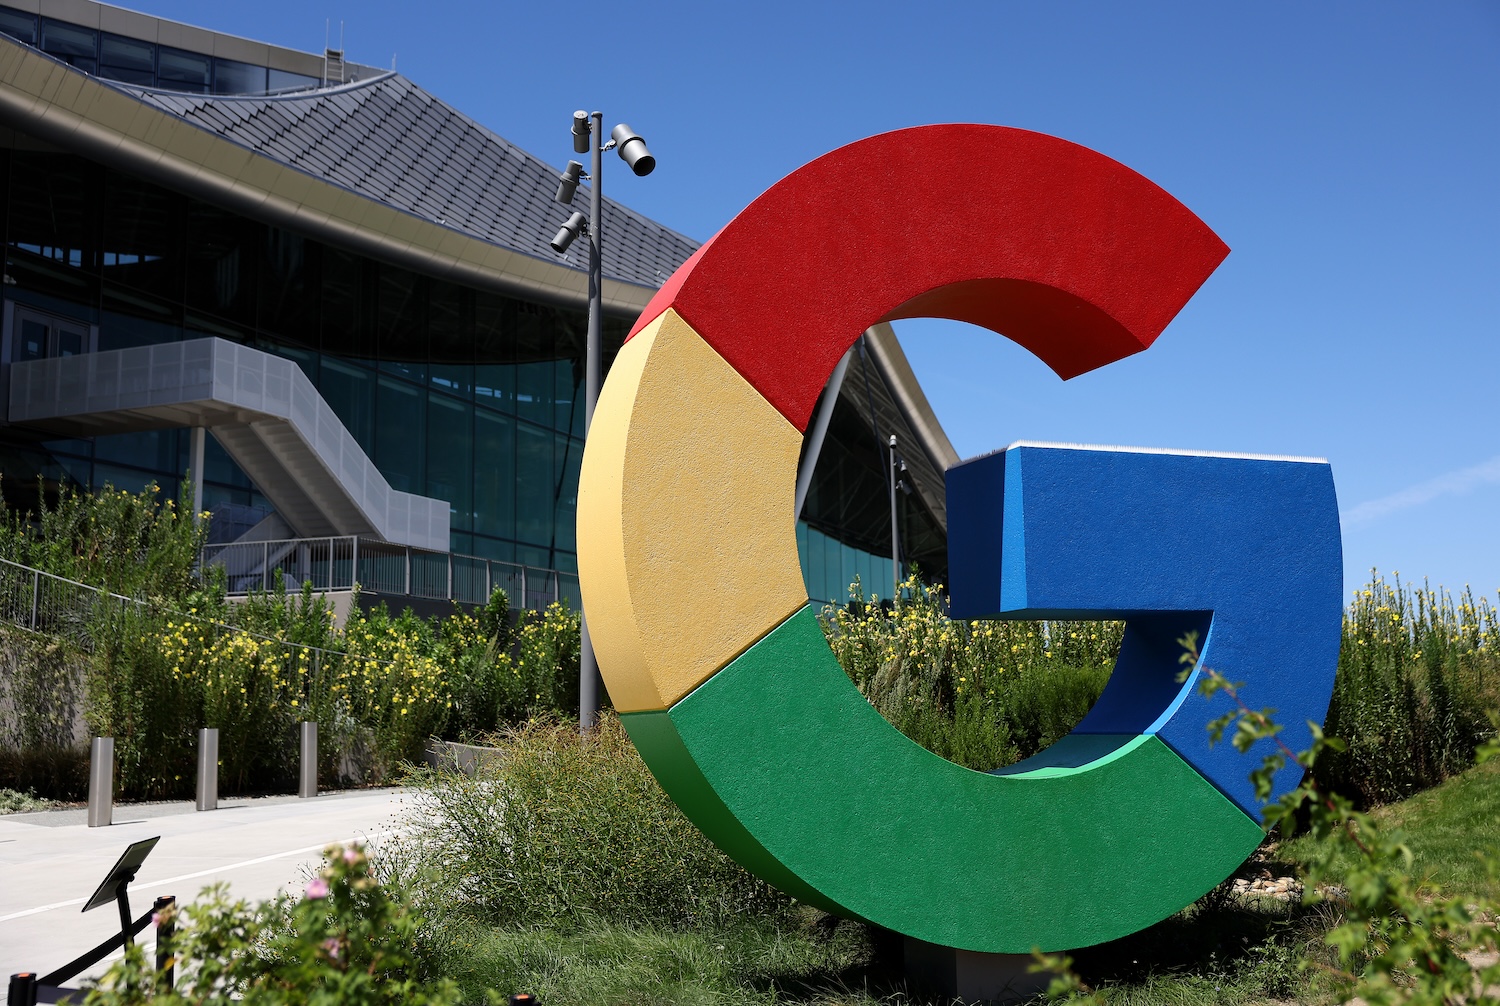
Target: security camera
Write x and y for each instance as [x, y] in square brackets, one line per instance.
[580, 132]
[569, 231]
[632, 149]
[567, 182]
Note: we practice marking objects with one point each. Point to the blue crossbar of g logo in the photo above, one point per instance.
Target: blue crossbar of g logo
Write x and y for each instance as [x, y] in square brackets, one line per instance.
[1242, 549]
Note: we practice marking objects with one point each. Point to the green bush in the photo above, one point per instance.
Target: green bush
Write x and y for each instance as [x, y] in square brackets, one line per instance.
[565, 829]
[982, 694]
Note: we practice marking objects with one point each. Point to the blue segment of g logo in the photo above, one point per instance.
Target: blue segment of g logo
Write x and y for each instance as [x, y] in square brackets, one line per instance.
[1244, 550]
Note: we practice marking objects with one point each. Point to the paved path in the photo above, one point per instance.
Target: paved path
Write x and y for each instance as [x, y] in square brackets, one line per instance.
[51, 862]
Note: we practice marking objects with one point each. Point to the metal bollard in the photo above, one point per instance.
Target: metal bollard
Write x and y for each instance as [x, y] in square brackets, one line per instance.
[309, 781]
[22, 990]
[101, 781]
[208, 768]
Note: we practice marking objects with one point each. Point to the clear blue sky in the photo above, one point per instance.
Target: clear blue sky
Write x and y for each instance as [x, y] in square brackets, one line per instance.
[1348, 153]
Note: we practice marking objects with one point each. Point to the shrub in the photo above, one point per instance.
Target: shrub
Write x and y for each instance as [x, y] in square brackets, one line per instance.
[566, 829]
[346, 941]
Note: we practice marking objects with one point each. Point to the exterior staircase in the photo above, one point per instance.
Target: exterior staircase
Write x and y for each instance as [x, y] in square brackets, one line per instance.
[261, 408]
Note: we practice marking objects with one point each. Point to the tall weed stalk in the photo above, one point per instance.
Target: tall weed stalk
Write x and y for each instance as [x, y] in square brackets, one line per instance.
[1418, 669]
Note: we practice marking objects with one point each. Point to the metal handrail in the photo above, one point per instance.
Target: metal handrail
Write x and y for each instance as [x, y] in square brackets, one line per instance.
[378, 567]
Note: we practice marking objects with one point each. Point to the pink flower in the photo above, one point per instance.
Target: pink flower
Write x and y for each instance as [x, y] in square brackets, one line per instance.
[331, 946]
[351, 855]
[317, 888]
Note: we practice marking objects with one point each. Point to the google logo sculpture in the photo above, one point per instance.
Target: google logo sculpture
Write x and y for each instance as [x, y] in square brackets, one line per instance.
[688, 560]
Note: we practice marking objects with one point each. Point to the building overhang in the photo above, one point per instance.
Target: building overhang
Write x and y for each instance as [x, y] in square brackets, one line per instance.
[85, 115]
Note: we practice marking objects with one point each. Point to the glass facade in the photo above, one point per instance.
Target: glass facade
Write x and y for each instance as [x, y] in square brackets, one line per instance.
[133, 61]
[849, 507]
[457, 393]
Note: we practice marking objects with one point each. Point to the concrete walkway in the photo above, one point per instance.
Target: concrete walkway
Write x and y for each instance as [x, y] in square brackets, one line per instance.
[51, 862]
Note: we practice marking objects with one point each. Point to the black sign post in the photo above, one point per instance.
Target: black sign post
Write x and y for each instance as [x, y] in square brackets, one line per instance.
[26, 989]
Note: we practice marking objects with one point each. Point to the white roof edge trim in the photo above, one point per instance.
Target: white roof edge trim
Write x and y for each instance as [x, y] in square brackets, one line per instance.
[1117, 449]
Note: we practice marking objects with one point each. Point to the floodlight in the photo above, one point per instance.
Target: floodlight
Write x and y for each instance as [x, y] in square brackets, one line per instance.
[567, 182]
[633, 149]
[568, 232]
[580, 132]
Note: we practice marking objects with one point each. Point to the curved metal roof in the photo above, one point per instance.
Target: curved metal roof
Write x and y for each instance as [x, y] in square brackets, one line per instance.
[387, 139]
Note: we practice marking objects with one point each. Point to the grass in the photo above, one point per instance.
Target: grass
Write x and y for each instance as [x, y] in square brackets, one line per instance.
[605, 963]
[1234, 952]
[1448, 828]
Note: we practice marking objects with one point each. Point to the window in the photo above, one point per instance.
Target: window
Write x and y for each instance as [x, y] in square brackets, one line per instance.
[71, 43]
[41, 336]
[18, 25]
[183, 71]
[231, 77]
[285, 80]
[127, 59]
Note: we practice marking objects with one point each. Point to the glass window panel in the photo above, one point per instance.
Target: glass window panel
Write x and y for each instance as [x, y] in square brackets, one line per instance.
[494, 474]
[183, 71]
[232, 77]
[345, 309]
[131, 318]
[79, 470]
[535, 348]
[129, 479]
[534, 485]
[492, 548]
[70, 341]
[155, 450]
[400, 322]
[52, 221]
[535, 382]
[567, 395]
[450, 334]
[285, 80]
[33, 343]
[196, 325]
[221, 260]
[289, 267]
[571, 330]
[802, 550]
[18, 25]
[142, 239]
[494, 353]
[70, 42]
[127, 59]
[450, 457]
[145, 78]
[349, 390]
[567, 454]
[537, 558]
[399, 420]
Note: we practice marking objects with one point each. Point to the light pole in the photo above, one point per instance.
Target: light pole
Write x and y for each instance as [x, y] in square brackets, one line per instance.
[898, 481]
[588, 138]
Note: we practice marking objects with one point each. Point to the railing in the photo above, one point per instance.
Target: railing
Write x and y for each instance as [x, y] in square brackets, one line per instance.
[54, 605]
[338, 563]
